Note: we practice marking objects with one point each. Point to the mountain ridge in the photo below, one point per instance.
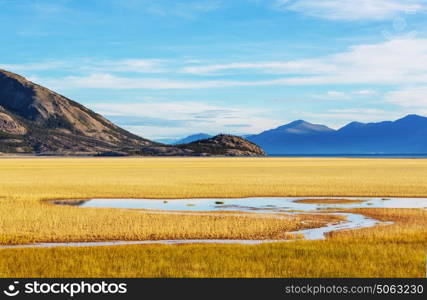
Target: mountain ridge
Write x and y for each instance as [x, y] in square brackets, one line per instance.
[36, 120]
[405, 135]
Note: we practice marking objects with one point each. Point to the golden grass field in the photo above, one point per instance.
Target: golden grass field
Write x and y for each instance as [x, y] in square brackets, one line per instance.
[26, 215]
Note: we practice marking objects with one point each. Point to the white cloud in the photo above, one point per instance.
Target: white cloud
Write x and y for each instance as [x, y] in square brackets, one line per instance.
[412, 100]
[391, 62]
[109, 81]
[395, 62]
[340, 117]
[37, 66]
[128, 65]
[351, 10]
[274, 67]
[191, 114]
[365, 92]
[415, 97]
[347, 95]
[90, 65]
[331, 96]
[160, 132]
[335, 94]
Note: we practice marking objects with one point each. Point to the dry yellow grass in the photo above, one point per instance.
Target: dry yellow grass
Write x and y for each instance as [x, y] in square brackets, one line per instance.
[386, 251]
[27, 216]
[297, 259]
[25, 182]
[75, 225]
[409, 226]
[26, 185]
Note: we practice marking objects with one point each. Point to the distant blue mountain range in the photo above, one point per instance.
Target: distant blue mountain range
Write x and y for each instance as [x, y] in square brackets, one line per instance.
[193, 138]
[404, 136]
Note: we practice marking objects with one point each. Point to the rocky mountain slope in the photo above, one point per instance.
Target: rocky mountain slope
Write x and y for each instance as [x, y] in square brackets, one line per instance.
[223, 144]
[36, 120]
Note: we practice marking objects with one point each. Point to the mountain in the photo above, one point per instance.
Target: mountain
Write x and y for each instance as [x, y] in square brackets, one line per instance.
[224, 144]
[406, 135]
[193, 138]
[167, 141]
[36, 120]
[301, 127]
[298, 137]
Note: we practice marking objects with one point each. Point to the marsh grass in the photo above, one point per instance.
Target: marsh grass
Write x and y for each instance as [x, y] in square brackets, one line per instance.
[73, 224]
[28, 186]
[26, 215]
[396, 250]
[405, 226]
[297, 259]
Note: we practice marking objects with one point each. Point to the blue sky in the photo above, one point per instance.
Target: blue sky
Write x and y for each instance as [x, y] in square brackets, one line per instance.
[166, 69]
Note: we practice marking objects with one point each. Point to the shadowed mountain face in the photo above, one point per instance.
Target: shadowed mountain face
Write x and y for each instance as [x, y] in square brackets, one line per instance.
[224, 144]
[406, 135]
[34, 119]
[298, 137]
[39, 120]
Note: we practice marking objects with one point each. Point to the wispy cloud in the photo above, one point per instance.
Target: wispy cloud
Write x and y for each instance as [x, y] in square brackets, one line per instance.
[340, 95]
[340, 117]
[410, 97]
[109, 81]
[390, 62]
[365, 92]
[174, 8]
[93, 65]
[272, 67]
[154, 119]
[330, 96]
[395, 62]
[35, 66]
[351, 10]
[128, 65]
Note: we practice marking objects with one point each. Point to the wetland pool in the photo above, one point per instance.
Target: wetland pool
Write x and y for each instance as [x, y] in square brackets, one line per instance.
[261, 205]
[255, 204]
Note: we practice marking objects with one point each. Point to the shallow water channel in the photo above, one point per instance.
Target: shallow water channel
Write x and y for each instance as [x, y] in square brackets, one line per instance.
[261, 205]
[255, 204]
